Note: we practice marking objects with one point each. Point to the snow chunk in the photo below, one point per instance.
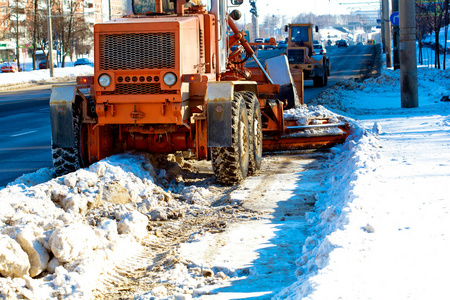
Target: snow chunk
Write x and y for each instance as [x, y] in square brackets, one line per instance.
[158, 214]
[70, 180]
[133, 223]
[13, 260]
[71, 241]
[110, 230]
[52, 265]
[114, 192]
[37, 254]
[75, 203]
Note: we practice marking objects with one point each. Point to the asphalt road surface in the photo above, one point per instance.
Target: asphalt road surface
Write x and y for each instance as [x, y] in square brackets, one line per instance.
[25, 133]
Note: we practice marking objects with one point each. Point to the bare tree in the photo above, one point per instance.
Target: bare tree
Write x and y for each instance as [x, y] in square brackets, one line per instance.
[433, 11]
[325, 20]
[37, 26]
[446, 21]
[15, 15]
[83, 38]
[68, 24]
[271, 23]
[422, 27]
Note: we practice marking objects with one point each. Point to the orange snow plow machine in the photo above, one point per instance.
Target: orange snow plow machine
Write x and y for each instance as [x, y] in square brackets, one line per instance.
[165, 80]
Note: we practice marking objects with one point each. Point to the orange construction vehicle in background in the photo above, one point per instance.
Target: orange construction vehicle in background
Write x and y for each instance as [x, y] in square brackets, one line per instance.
[165, 80]
[302, 56]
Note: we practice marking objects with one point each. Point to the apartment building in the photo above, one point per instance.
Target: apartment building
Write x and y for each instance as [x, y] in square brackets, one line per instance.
[97, 11]
[3, 12]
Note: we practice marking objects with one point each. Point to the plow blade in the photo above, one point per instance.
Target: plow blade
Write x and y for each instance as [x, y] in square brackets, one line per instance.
[307, 137]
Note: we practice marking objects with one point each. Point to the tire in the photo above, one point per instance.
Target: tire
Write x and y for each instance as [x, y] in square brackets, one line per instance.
[317, 81]
[320, 81]
[255, 132]
[68, 159]
[230, 164]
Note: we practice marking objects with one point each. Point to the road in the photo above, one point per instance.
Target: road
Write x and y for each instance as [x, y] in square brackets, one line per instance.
[25, 133]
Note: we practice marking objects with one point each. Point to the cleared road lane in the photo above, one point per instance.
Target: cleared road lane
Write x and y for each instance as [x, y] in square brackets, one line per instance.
[24, 133]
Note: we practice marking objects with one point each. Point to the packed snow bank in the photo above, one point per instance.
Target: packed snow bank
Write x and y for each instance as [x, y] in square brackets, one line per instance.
[381, 95]
[10, 81]
[353, 161]
[382, 230]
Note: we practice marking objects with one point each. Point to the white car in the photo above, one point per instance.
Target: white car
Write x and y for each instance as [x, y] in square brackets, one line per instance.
[319, 49]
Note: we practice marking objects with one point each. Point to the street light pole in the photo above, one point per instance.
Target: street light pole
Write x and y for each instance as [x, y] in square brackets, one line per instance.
[387, 32]
[50, 38]
[109, 10]
[408, 64]
[395, 38]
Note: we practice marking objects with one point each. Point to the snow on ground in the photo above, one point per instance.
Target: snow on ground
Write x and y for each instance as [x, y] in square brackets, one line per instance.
[39, 77]
[380, 229]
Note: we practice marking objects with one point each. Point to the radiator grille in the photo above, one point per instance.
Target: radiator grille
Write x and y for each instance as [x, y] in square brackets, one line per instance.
[296, 56]
[137, 51]
[138, 89]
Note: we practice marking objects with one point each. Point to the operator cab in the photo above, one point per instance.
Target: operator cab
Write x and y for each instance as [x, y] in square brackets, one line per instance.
[147, 7]
[300, 35]
[161, 7]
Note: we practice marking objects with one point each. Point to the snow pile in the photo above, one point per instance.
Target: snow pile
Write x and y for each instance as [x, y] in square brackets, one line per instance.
[314, 115]
[61, 238]
[22, 79]
[304, 113]
[62, 234]
[356, 99]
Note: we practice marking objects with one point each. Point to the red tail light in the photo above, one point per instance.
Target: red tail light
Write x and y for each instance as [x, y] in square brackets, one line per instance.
[191, 78]
[85, 80]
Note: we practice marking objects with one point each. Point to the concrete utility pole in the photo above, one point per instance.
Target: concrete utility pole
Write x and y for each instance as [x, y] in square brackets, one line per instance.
[109, 10]
[254, 33]
[387, 32]
[407, 46]
[255, 28]
[395, 38]
[50, 38]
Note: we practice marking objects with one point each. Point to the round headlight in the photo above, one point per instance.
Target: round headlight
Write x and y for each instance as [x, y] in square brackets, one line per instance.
[104, 80]
[170, 79]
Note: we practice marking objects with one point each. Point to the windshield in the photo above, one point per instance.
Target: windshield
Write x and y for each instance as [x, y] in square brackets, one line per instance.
[299, 34]
[148, 6]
